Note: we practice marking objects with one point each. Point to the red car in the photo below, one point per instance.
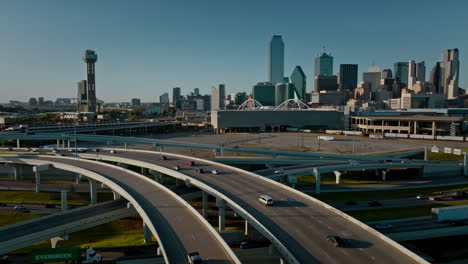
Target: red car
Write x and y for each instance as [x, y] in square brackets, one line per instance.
[190, 163]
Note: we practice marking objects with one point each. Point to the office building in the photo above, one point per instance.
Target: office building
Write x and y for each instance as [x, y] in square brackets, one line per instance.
[298, 78]
[32, 101]
[325, 83]
[401, 72]
[90, 57]
[264, 93]
[82, 96]
[40, 100]
[387, 74]
[196, 91]
[416, 72]
[348, 77]
[449, 72]
[276, 59]
[164, 98]
[175, 95]
[136, 102]
[435, 79]
[330, 98]
[239, 98]
[284, 91]
[324, 65]
[218, 97]
[373, 78]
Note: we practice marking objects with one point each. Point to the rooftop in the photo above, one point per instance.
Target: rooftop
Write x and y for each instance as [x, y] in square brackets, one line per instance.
[414, 118]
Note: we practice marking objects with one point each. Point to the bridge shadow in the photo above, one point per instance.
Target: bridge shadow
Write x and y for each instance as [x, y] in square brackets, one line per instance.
[289, 203]
[354, 243]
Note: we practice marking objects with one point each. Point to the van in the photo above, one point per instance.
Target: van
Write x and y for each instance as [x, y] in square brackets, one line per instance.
[266, 200]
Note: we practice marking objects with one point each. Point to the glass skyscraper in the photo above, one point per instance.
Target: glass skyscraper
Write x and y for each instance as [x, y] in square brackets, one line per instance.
[324, 65]
[348, 77]
[276, 60]
[298, 78]
[449, 71]
[401, 71]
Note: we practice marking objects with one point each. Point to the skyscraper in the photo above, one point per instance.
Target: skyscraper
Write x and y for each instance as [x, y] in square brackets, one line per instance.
[90, 57]
[449, 73]
[264, 93]
[387, 74]
[218, 97]
[276, 59]
[401, 72]
[435, 79]
[175, 95]
[324, 64]
[373, 78]
[82, 96]
[416, 72]
[421, 71]
[348, 77]
[298, 78]
[164, 98]
[196, 91]
[325, 83]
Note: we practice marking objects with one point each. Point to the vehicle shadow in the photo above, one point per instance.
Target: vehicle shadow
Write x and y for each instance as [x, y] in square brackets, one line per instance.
[286, 203]
[353, 243]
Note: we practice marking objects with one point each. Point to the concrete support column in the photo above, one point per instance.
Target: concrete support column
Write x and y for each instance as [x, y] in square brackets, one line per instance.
[338, 177]
[158, 176]
[221, 150]
[125, 145]
[54, 240]
[147, 234]
[317, 181]
[293, 181]
[116, 195]
[465, 164]
[68, 144]
[433, 128]
[64, 201]
[78, 178]
[144, 171]
[93, 191]
[205, 204]
[17, 171]
[37, 177]
[18, 145]
[58, 143]
[384, 175]
[222, 213]
[425, 152]
[246, 228]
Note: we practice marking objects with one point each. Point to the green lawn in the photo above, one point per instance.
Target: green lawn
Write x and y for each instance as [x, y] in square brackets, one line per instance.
[385, 194]
[48, 197]
[397, 213]
[120, 233]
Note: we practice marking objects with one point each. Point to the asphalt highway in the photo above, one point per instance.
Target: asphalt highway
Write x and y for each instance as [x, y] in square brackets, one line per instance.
[300, 224]
[179, 229]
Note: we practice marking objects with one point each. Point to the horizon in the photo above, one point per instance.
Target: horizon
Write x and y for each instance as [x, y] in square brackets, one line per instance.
[144, 53]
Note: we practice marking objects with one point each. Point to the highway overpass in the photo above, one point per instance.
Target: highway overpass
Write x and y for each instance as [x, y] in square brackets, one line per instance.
[176, 225]
[297, 225]
[61, 224]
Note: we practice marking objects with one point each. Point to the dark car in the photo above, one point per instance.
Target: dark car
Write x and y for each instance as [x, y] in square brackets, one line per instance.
[336, 241]
[200, 171]
[3, 204]
[350, 203]
[163, 157]
[194, 258]
[50, 206]
[374, 203]
[248, 244]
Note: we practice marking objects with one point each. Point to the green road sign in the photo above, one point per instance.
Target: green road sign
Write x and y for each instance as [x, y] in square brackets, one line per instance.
[55, 254]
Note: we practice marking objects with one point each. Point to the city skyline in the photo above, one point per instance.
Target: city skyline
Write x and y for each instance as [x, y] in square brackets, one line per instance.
[157, 64]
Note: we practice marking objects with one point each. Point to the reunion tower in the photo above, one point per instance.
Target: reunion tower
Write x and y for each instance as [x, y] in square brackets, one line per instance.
[90, 57]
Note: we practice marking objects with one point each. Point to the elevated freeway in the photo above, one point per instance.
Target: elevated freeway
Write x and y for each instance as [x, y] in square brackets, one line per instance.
[178, 228]
[26, 233]
[297, 225]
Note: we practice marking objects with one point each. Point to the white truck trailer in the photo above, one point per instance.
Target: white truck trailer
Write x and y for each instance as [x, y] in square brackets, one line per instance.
[452, 213]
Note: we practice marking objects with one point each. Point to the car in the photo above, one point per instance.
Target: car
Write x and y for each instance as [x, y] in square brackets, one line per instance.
[4, 259]
[266, 200]
[34, 150]
[200, 171]
[336, 241]
[163, 157]
[96, 150]
[215, 171]
[350, 203]
[374, 203]
[421, 197]
[9, 148]
[190, 163]
[71, 150]
[20, 208]
[176, 168]
[54, 150]
[113, 151]
[278, 171]
[382, 226]
[248, 244]
[194, 258]
[3, 204]
[50, 206]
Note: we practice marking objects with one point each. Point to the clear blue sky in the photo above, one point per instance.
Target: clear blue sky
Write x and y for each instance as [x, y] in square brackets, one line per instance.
[147, 47]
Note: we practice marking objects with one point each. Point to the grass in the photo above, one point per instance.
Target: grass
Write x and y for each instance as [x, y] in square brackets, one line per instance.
[9, 218]
[397, 213]
[120, 233]
[386, 194]
[48, 197]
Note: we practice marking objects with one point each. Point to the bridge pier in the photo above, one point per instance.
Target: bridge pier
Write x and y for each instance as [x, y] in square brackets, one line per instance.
[77, 178]
[293, 181]
[17, 171]
[68, 144]
[384, 175]
[147, 233]
[221, 150]
[205, 204]
[317, 181]
[425, 152]
[58, 143]
[158, 176]
[246, 228]
[64, 201]
[338, 177]
[18, 145]
[54, 240]
[116, 195]
[37, 174]
[222, 213]
[93, 190]
[465, 164]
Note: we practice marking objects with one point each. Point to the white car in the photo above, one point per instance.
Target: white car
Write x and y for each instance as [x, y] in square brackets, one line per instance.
[215, 171]
[20, 208]
[278, 171]
[113, 151]
[421, 197]
[266, 200]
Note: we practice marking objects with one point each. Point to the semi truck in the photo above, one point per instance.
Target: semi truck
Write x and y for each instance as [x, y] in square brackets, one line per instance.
[452, 213]
[327, 138]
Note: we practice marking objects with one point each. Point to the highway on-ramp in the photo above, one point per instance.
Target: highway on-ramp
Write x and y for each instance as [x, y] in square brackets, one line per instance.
[179, 229]
[300, 223]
